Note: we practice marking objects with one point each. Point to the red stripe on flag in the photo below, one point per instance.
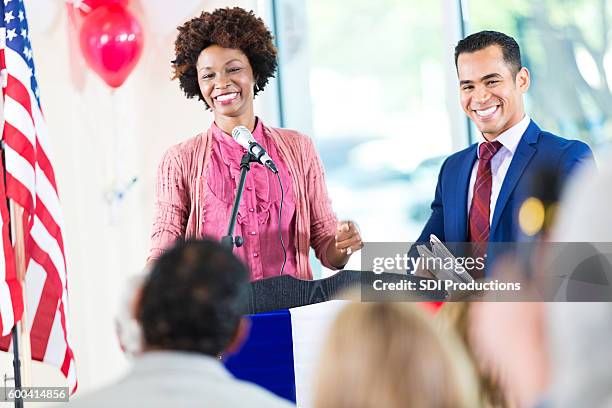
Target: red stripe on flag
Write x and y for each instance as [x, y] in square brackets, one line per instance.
[16, 90]
[2, 62]
[49, 222]
[15, 190]
[68, 357]
[45, 165]
[43, 320]
[69, 354]
[66, 363]
[19, 143]
[47, 305]
[5, 342]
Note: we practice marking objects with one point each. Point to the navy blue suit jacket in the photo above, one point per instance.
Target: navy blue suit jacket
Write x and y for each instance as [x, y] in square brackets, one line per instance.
[536, 149]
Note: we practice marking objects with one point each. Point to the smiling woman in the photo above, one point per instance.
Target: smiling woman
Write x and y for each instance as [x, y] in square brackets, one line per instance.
[227, 85]
[226, 66]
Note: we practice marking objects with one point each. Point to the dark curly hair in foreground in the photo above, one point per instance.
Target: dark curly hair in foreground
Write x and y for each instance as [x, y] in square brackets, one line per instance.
[193, 299]
[228, 28]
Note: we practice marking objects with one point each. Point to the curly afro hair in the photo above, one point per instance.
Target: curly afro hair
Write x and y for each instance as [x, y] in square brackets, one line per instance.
[228, 28]
[193, 298]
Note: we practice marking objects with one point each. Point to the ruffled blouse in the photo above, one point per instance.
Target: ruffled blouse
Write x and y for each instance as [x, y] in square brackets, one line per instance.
[195, 191]
[258, 215]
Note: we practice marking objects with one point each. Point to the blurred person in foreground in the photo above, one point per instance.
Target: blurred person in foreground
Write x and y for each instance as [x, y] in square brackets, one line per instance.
[510, 339]
[557, 354]
[580, 333]
[189, 311]
[585, 213]
[224, 59]
[389, 355]
[456, 317]
[481, 188]
[546, 354]
[581, 356]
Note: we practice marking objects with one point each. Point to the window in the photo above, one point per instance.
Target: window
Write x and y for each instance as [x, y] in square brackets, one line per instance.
[374, 84]
[567, 47]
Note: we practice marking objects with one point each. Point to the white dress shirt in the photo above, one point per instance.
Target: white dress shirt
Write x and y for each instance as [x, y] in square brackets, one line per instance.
[499, 163]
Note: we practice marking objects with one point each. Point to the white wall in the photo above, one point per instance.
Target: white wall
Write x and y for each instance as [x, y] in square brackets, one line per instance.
[101, 139]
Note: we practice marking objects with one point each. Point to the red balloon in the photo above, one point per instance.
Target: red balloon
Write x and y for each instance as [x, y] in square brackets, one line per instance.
[87, 6]
[111, 40]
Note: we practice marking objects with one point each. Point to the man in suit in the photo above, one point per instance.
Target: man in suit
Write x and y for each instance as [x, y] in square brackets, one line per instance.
[481, 188]
[189, 310]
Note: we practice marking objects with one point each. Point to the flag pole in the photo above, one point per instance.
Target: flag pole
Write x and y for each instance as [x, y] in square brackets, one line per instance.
[16, 366]
[17, 232]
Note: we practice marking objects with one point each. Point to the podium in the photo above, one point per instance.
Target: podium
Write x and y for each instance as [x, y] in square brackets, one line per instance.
[286, 292]
[289, 321]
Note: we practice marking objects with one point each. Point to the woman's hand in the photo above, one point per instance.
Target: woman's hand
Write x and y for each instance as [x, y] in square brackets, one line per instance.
[347, 240]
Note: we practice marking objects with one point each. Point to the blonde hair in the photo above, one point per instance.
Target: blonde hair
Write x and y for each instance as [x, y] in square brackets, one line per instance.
[455, 316]
[389, 355]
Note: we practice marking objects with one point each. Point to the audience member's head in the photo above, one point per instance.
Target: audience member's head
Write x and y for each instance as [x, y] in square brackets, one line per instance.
[389, 355]
[193, 299]
[456, 317]
[510, 339]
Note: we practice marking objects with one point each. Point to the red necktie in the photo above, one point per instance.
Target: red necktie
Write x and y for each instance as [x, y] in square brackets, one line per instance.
[480, 210]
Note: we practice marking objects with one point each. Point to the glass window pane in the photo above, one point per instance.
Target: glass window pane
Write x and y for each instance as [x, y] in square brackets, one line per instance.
[379, 102]
[566, 46]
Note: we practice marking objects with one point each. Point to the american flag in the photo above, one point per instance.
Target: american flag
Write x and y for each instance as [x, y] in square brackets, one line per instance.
[30, 182]
[11, 295]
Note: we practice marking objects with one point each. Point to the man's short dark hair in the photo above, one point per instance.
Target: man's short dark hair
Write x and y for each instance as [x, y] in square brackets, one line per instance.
[483, 39]
[193, 298]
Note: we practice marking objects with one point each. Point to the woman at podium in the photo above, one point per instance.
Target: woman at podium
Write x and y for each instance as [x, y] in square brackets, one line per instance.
[225, 58]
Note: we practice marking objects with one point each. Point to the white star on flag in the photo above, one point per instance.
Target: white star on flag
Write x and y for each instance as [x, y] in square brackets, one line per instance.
[24, 33]
[8, 16]
[21, 16]
[10, 34]
[6, 2]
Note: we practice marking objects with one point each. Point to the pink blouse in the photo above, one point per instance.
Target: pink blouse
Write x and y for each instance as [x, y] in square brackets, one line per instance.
[194, 196]
[258, 215]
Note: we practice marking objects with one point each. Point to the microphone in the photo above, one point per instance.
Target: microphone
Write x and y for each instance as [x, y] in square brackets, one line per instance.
[244, 138]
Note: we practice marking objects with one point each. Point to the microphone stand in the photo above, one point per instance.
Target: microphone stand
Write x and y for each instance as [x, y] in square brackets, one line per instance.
[228, 241]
